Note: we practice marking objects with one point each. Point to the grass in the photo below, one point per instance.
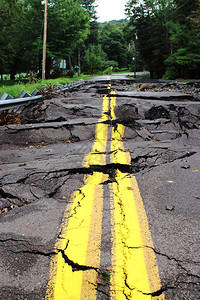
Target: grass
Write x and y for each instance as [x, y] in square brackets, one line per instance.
[137, 75]
[123, 70]
[15, 87]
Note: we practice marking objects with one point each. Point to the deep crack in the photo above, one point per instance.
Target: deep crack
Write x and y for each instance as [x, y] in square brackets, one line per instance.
[75, 266]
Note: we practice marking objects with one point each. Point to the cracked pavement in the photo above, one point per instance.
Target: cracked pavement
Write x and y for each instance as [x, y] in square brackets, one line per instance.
[43, 163]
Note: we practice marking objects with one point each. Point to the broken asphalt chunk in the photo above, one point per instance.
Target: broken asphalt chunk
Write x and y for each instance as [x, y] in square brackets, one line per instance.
[170, 207]
[185, 167]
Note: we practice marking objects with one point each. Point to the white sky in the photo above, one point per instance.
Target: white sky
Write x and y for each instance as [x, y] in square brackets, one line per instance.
[108, 10]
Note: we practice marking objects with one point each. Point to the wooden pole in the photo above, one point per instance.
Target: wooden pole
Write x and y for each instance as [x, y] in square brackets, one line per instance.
[135, 67]
[44, 42]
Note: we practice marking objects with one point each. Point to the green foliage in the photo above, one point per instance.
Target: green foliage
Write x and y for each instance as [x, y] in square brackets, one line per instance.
[195, 18]
[113, 44]
[22, 25]
[163, 36]
[110, 64]
[168, 40]
[170, 73]
[12, 16]
[109, 70]
[185, 44]
[186, 64]
[94, 56]
[14, 88]
[71, 28]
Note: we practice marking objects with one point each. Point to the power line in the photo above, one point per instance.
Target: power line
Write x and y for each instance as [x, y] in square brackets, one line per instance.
[63, 10]
[173, 12]
[67, 9]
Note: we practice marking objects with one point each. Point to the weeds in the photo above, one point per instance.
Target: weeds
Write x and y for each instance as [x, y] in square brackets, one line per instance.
[14, 88]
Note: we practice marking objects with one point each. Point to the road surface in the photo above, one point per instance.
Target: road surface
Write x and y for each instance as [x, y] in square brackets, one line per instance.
[100, 196]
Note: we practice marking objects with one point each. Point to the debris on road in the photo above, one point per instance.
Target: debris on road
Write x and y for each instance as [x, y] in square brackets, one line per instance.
[170, 207]
[186, 167]
[42, 165]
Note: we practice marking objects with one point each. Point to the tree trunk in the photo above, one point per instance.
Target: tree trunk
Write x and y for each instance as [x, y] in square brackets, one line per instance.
[71, 71]
[12, 75]
[70, 64]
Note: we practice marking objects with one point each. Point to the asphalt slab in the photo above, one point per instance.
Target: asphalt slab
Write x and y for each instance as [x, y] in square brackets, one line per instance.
[43, 162]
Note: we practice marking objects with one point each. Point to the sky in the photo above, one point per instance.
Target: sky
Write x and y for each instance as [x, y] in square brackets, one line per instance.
[108, 10]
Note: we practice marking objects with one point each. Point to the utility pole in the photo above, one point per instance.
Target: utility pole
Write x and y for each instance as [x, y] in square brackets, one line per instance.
[135, 67]
[44, 42]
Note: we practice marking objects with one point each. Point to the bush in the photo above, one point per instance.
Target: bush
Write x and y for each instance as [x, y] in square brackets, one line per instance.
[92, 62]
[108, 71]
[183, 63]
[170, 73]
[109, 63]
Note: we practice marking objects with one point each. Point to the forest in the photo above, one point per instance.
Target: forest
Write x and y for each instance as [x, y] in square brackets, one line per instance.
[161, 36]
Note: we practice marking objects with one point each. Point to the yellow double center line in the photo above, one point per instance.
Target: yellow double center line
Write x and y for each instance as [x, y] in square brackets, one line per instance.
[74, 270]
[135, 274]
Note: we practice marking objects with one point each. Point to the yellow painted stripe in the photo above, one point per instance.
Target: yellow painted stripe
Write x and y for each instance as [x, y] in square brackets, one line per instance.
[135, 270]
[89, 283]
[81, 232]
[119, 154]
[93, 158]
[68, 283]
[149, 255]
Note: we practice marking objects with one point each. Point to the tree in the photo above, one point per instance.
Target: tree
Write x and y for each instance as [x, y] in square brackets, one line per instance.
[113, 44]
[11, 37]
[22, 25]
[195, 18]
[167, 40]
[184, 60]
[71, 21]
[4, 24]
[93, 59]
[146, 21]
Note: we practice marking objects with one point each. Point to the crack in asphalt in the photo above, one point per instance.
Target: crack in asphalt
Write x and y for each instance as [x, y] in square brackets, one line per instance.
[173, 258]
[53, 193]
[139, 167]
[153, 294]
[26, 244]
[123, 240]
[75, 266]
[77, 206]
[35, 252]
[110, 169]
[4, 194]
[102, 292]
[57, 126]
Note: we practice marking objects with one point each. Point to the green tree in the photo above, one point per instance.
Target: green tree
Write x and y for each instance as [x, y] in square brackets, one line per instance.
[11, 37]
[184, 60]
[195, 18]
[93, 59]
[4, 24]
[71, 21]
[22, 25]
[168, 42]
[146, 21]
[114, 44]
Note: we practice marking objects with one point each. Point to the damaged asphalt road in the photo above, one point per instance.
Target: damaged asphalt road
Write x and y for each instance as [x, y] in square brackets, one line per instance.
[43, 162]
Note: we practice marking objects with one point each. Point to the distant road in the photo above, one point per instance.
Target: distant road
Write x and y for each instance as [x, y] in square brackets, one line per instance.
[120, 76]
